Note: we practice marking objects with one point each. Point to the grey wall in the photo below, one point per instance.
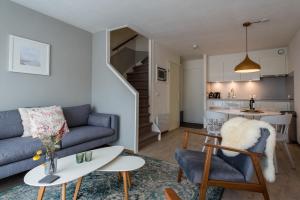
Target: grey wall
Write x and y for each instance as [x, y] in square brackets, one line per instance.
[71, 50]
[110, 95]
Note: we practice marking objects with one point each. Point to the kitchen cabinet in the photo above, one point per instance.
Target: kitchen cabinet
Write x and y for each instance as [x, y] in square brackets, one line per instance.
[275, 106]
[273, 63]
[229, 63]
[215, 69]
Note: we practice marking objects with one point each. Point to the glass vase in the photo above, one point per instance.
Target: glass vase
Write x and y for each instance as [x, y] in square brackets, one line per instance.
[50, 163]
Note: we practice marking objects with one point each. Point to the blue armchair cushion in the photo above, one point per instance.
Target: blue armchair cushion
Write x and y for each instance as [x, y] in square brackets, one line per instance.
[18, 148]
[97, 119]
[192, 163]
[84, 134]
[77, 115]
[242, 162]
[10, 124]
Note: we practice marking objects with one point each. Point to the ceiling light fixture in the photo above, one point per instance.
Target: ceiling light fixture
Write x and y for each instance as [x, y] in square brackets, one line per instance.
[247, 65]
[195, 46]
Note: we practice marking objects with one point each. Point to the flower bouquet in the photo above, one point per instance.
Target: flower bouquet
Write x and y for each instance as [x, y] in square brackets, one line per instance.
[50, 139]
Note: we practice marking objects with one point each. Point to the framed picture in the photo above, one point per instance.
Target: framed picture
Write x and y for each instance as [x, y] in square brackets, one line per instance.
[28, 56]
[161, 74]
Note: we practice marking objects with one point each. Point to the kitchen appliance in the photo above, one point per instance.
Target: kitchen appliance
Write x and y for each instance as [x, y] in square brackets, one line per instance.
[217, 95]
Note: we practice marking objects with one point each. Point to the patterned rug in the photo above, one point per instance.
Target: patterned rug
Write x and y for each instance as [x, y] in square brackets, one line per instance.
[148, 184]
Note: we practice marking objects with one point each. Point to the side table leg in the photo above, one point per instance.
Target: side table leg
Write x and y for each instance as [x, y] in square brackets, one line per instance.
[41, 193]
[63, 191]
[77, 188]
[125, 181]
[128, 179]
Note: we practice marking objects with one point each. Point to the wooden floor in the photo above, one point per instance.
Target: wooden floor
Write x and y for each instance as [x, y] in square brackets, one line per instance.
[286, 186]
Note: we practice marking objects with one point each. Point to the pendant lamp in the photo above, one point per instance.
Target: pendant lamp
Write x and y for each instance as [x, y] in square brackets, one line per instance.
[247, 65]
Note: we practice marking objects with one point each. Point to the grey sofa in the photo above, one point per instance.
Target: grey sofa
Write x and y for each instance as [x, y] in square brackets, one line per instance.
[87, 131]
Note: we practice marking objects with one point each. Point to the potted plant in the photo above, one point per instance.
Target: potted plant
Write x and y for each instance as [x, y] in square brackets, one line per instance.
[51, 142]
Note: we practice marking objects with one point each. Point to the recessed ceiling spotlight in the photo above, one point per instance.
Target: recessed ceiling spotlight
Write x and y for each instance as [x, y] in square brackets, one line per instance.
[195, 46]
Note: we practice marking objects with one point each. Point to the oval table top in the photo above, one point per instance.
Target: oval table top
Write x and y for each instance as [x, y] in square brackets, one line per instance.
[68, 170]
[240, 113]
[124, 164]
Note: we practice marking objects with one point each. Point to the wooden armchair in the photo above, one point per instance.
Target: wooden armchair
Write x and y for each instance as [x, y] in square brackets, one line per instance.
[207, 169]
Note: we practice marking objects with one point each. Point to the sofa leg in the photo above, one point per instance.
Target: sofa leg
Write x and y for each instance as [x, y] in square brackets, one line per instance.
[179, 175]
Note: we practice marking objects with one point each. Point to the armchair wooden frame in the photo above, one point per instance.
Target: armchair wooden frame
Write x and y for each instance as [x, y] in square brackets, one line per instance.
[259, 187]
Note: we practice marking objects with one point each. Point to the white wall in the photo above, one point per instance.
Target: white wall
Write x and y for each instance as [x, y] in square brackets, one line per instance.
[161, 56]
[193, 91]
[294, 63]
[110, 94]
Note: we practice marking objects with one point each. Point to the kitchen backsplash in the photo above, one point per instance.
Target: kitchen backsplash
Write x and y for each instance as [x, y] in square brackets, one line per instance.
[267, 88]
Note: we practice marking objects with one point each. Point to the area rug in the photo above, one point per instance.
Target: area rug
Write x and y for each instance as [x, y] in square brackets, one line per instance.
[148, 184]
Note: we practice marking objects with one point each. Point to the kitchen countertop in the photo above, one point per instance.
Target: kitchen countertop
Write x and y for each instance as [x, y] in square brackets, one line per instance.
[276, 100]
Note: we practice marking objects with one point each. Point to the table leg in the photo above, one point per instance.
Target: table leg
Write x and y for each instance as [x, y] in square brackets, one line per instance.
[128, 179]
[125, 181]
[63, 191]
[77, 188]
[41, 193]
[119, 177]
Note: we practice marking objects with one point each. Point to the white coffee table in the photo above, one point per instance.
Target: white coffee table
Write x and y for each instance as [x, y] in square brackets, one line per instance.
[68, 170]
[123, 165]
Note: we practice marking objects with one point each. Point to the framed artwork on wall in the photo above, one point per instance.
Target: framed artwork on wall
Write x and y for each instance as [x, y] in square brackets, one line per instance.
[28, 56]
[161, 74]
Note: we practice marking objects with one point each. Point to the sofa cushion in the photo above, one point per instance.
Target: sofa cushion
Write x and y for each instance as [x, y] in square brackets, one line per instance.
[97, 119]
[84, 134]
[17, 149]
[77, 115]
[10, 124]
[192, 163]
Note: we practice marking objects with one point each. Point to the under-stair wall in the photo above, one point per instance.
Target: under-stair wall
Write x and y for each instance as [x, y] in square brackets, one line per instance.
[112, 94]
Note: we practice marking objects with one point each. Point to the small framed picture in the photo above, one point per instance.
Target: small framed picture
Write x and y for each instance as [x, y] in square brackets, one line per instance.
[28, 56]
[161, 74]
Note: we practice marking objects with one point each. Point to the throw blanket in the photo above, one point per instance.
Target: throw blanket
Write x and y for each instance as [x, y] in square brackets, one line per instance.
[243, 133]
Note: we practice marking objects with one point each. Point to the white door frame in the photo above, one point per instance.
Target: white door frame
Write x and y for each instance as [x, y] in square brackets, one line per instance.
[170, 99]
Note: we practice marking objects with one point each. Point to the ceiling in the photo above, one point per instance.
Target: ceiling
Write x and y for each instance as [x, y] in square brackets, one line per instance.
[215, 25]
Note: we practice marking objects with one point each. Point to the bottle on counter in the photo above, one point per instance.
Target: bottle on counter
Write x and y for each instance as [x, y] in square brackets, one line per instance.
[251, 104]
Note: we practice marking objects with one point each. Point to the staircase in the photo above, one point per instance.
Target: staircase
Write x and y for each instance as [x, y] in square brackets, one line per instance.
[139, 79]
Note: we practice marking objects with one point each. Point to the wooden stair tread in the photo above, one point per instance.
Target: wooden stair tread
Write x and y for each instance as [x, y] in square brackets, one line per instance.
[134, 73]
[145, 125]
[144, 114]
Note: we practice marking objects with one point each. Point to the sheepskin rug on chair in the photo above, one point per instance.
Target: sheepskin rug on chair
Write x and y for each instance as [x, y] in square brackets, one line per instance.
[242, 133]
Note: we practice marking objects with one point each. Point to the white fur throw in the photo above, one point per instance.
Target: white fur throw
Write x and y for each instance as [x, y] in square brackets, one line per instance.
[243, 133]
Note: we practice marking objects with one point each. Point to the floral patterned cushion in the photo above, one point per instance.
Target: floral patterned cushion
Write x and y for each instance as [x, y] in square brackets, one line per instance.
[46, 121]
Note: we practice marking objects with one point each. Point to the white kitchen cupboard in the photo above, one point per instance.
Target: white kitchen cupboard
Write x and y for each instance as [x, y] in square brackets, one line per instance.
[215, 69]
[275, 106]
[272, 62]
[229, 63]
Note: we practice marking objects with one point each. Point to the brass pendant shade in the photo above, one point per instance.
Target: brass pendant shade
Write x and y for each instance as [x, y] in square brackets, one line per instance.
[247, 65]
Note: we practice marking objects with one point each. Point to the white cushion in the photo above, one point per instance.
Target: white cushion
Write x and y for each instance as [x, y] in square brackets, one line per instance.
[25, 121]
[46, 121]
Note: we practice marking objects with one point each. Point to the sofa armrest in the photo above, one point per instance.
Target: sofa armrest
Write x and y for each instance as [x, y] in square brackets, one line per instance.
[104, 120]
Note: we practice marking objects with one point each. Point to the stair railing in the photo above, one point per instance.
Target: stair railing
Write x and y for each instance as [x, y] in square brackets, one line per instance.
[123, 43]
